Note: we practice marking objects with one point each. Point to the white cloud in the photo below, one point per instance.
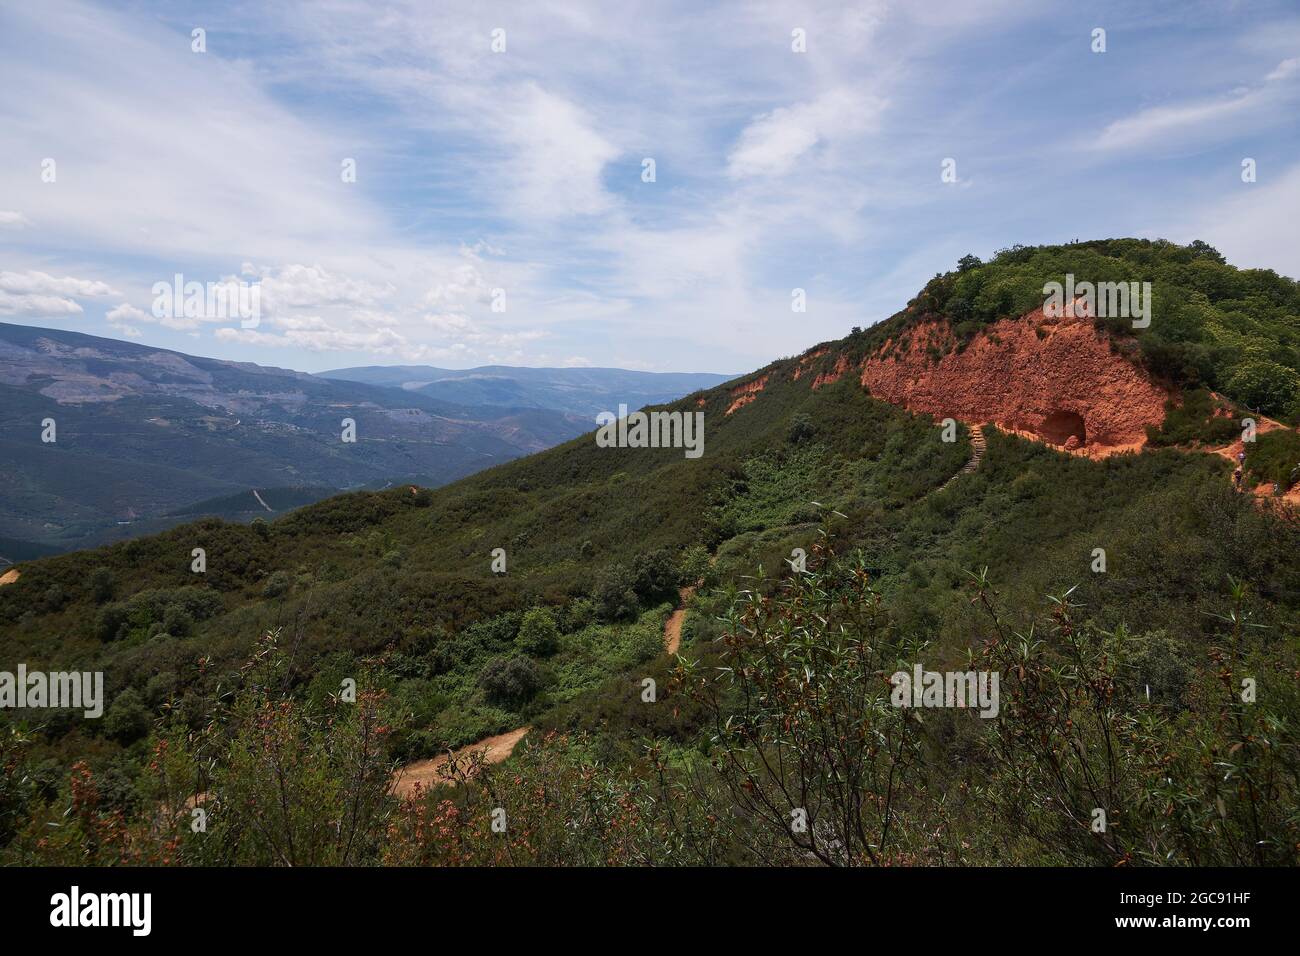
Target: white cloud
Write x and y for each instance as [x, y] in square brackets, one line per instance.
[41, 295]
[521, 171]
[200, 161]
[9, 219]
[37, 306]
[1254, 228]
[557, 156]
[296, 286]
[1283, 70]
[36, 283]
[121, 316]
[466, 285]
[125, 311]
[1211, 118]
[774, 143]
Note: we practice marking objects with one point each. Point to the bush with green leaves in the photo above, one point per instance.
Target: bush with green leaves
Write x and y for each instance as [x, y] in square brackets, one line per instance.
[127, 718]
[538, 635]
[1265, 385]
[510, 680]
[1275, 456]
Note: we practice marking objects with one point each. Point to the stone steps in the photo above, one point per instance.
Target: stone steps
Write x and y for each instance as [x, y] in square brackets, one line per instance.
[978, 444]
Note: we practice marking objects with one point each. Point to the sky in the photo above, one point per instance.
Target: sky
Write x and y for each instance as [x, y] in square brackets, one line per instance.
[502, 211]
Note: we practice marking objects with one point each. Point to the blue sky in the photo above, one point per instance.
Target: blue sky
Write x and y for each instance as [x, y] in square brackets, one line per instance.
[522, 170]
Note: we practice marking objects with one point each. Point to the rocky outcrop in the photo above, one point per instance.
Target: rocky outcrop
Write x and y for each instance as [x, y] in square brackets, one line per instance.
[807, 359]
[1054, 379]
[742, 395]
[834, 375]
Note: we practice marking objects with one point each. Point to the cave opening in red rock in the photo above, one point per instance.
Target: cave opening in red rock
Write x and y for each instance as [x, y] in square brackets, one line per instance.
[1061, 426]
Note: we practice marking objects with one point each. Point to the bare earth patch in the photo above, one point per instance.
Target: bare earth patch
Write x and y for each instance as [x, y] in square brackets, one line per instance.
[673, 626]
[10, 576]
[742, 395]
[424, 773]
[1056, 380]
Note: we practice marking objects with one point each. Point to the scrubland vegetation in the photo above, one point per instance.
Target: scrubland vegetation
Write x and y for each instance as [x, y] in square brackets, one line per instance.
[1121, 689]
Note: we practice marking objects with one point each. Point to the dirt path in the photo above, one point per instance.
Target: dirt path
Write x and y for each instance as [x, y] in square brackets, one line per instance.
[1230, 452]
[10, 576]
[425, 773]
[673, 626]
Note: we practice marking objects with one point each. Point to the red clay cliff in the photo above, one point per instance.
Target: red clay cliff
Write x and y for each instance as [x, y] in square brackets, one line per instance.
[1054, 379]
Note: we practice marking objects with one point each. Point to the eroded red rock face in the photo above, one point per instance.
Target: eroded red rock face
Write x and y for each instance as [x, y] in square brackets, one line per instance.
[802, 365]
[834, 375]
[1053, 379]
[742, 395]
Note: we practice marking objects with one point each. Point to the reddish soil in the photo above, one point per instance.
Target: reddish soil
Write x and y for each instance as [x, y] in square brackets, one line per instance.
[834, 375]
[425, 773]
[804, 361]
[1263, 425]
[742, 395]
[673, 626]
[1054, 380]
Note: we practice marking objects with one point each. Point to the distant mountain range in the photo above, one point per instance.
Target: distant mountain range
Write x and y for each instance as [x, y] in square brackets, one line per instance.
[145, 438]
[576, 391]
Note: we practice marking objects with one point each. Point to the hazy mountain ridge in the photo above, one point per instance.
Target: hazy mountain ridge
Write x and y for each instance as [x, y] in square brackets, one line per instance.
[143, 434]
[578, 391]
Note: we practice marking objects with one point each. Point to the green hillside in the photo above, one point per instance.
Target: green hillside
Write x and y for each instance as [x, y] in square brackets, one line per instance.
[1121, 695]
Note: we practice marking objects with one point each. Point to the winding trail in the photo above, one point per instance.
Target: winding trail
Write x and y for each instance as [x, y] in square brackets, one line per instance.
[1230, 452]
[425, 773]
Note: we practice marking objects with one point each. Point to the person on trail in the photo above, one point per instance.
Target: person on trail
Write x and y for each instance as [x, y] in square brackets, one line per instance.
[1236, 478]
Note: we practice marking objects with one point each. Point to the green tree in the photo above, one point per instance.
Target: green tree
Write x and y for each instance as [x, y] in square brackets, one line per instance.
[102, 585]
[127, 718]
[538, 636]
[510, 680]
[1265, 385]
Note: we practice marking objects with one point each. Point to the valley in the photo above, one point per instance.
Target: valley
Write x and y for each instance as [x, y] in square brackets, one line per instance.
[147, 437]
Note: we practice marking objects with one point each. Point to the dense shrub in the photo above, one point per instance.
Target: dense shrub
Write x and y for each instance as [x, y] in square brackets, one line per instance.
[1275, 456]
[538, 636]
[510, 680]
